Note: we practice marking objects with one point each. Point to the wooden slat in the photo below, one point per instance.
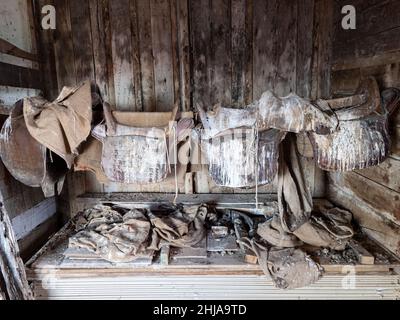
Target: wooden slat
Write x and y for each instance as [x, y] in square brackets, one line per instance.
[286, 45]
[200, 41]
[322, 49]
[241, 50]
[264, 67]
[9, 48]
[385, 174]
[16, 76]
[183, 53]
[364, 257]
[162, 52]
[100, 49]
[377, 31]
[146, 55]
[376, 225]
[63, 46]
[384, 200]
[219, 62]
[305, 21]
[82, 40]
[136, 55]
[121, 39]
[47, 54]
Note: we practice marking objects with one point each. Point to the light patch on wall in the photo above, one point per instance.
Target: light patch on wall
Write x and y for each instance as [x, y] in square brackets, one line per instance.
[10, 95]
[24, 223]
[15, 28]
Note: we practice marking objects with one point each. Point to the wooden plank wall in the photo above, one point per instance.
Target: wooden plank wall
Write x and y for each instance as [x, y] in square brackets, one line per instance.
[149, 55]
[372, 194]
[20, 77]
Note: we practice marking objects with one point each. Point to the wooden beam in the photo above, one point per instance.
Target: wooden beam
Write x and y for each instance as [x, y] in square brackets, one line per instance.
[364, 257]
[11, 265]
[8, 48]
[16, 76]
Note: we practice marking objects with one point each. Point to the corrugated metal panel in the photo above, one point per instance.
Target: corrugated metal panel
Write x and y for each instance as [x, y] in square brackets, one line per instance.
[216, 287]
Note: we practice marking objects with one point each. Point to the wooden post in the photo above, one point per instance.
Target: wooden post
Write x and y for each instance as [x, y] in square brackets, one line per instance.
[11, 266]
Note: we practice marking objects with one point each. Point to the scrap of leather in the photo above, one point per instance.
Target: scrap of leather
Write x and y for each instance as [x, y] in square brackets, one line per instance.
[362, 138]
[132, 154]
[39, 169]
[61, 125]
[272, 232]
[90, 159]
[241, 159]
[328, 227]
[289, 268]
[289, 114]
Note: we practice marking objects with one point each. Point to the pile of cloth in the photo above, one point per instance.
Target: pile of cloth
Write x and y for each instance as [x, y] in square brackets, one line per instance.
[118, 237]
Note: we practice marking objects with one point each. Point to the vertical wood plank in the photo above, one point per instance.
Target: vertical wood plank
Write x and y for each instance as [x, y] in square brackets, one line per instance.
[82, 40]
[264, 35]
[100, 48]
[136, 55]
[219, 63]
[162, 52]
[200, 41]
[248, 92]
[146, 55]
[322, 51]
[286, 45]
[63, 46]
[122, 55]
[46, 52]
[305, 22]
[238, 13]
[183, 54]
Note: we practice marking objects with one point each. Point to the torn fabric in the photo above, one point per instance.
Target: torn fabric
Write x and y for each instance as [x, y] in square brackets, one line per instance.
[61, 125]
[294, 198]
[181, 228]
[328, 227]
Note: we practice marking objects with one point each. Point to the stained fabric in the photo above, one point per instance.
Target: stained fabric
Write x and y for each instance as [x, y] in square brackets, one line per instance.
[328, 227]
[61, 125]
[272, 232]
[123, 238]
[110, 235]
[294, 198]
[182, 228]
[289, 268]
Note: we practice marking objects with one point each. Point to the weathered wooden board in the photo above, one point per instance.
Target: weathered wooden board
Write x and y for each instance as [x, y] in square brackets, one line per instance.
[149, 55]
[377, 30]
[122, 53]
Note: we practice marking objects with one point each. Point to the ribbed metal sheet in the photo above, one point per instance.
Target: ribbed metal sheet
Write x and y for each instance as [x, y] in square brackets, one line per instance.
[215, 287]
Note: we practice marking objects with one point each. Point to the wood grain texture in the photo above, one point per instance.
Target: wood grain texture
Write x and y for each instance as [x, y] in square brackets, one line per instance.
[162, 52]
[121, 40]
[63, 46]
[82, 40]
